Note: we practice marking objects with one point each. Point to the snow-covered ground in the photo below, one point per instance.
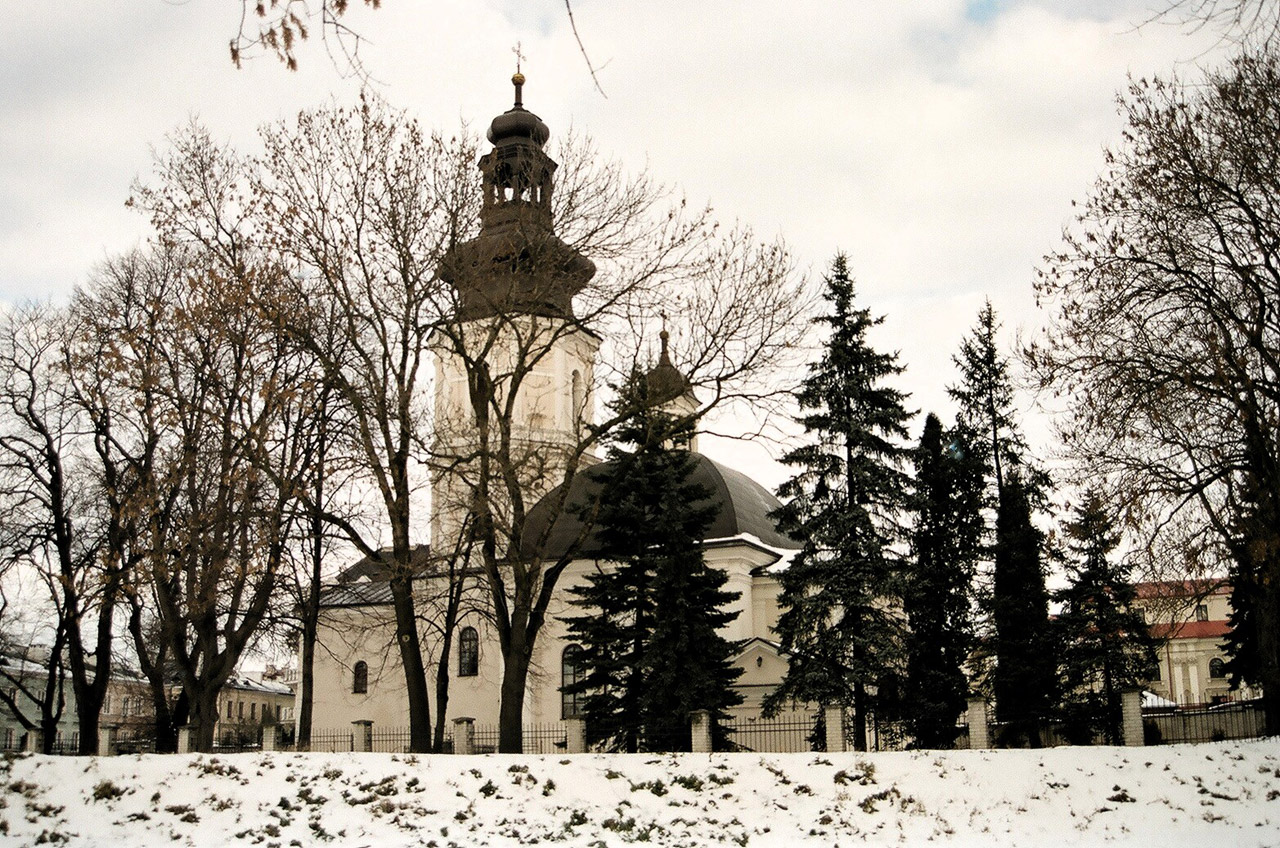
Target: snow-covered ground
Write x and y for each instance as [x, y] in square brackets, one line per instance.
[1194, 795]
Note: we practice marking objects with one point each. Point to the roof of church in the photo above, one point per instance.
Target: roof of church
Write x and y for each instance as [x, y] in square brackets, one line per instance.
[366, 581]
[744, 509]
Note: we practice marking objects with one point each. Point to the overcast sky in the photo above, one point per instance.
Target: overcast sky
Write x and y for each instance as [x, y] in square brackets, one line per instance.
[938, 142]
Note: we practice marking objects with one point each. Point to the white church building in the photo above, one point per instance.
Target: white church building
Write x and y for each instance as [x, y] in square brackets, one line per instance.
[358, 676]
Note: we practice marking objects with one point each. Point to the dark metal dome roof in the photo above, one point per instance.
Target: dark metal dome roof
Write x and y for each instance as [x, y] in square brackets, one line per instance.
[744, 508]
[518, 122]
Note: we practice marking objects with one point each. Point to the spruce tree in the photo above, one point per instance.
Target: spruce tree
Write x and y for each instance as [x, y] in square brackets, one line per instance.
[1103, 641]
[839, 624]
[946, 543]
[1024, 677]
[1017, 606]
[651, 648]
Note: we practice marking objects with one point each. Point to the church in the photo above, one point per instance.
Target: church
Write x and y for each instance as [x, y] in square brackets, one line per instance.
[358, 677]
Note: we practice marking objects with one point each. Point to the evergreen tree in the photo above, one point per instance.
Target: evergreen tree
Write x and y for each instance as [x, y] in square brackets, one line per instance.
[946, 545]
[985, 400]
[1023, 681]
[1016, 606]
[651, 650]
[839, 624]
[1103, 641]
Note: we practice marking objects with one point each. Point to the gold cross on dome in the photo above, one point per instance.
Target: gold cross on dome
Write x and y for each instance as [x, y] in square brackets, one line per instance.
[519, 56]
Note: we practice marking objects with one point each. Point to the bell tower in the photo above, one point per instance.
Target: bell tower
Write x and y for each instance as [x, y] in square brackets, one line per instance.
[516, 265]
[514, 335]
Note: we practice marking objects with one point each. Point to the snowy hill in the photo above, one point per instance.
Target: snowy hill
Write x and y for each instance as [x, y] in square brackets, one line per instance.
[1202, 795]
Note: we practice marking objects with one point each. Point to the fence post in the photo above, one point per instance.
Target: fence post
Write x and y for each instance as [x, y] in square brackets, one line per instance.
[464, 735]
[979, 732]
[184, 740]
[271, 737]
[35, 741]
[700, 728]
[106, 740]
[362, 738]
[1131, 716]
[833, 725]
[575, 735]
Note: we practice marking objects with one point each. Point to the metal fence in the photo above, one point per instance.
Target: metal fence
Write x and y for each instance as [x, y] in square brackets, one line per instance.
[390, 740]
[1204, 722]
[538, 738]
[331, 741]
[775, 736]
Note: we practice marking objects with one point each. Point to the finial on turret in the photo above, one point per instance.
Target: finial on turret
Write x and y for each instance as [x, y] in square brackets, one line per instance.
[517, 79]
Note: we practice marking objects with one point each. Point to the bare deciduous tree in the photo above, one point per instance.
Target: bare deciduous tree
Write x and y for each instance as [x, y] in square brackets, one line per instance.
[1165, 339]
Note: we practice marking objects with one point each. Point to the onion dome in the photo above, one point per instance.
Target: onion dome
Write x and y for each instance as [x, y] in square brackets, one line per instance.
[664, 381]
[517, 122]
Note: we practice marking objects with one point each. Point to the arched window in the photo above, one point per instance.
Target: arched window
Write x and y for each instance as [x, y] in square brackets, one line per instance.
[360, 678]
[571, 671]
[468, 652]
[1217, 668]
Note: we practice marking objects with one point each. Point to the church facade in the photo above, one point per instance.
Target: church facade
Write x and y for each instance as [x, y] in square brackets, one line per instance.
[358, 674]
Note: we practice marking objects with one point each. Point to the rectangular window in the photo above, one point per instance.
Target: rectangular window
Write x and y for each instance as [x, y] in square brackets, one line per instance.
[253, 712]
[1202, 612]
[239, 709]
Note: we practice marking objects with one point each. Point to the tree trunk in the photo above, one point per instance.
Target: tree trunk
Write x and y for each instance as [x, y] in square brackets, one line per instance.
[415, 675]
[306, 683]
[515, 676]
[203, 717]
[442, 693]
[859, 717]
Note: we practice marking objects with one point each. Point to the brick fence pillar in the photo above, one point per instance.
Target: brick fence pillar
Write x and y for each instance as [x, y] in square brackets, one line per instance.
[979, 732]
[1131, 716]
[575, 736]
[35, 741]
[271, 737]
[184, 740]
[700, 726]
[464, 735]
[362, 738]
[833, 723]
[106, 740]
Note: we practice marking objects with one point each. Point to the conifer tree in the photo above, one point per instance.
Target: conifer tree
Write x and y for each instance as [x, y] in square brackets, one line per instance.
[1017, 606]
[651, 648]
[946, 545]
[1103, 641]
[1024, 677]
[839, 624]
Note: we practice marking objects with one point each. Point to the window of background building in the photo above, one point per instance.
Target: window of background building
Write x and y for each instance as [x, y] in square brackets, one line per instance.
[1202, 612]
[1217, 668]
[571, 672]
[360, 678]
[253, 712]
[468, 652]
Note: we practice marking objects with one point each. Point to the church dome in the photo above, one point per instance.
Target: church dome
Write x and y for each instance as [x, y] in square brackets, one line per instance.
[743, 508]
[517, 122]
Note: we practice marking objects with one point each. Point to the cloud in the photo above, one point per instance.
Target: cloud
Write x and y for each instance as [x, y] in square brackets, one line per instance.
[939, 142]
